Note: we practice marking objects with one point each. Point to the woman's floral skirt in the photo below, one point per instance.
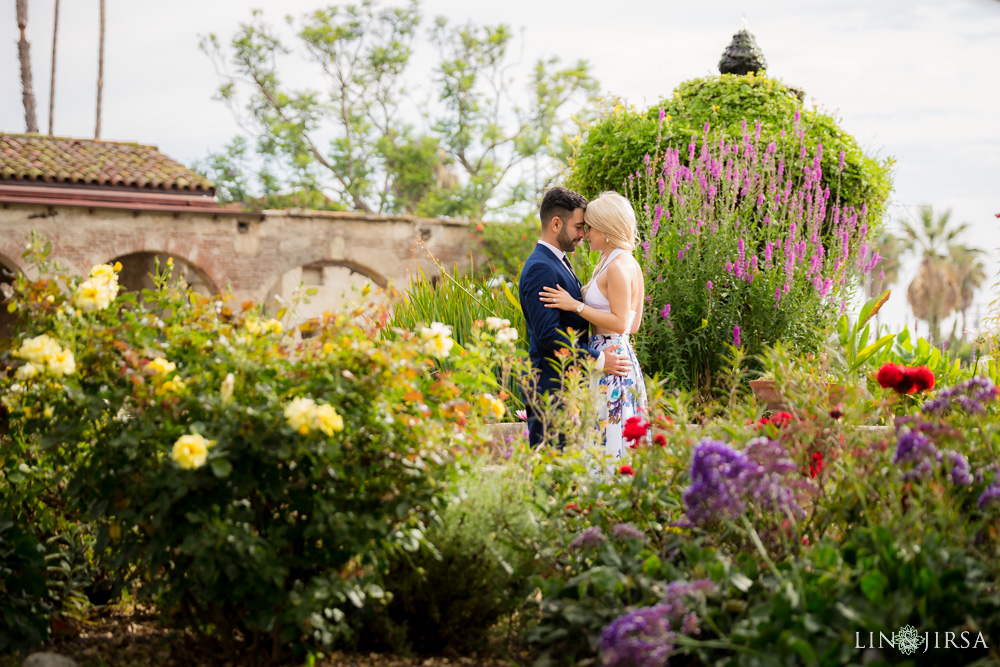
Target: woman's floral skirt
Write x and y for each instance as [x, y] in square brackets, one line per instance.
[624, 396]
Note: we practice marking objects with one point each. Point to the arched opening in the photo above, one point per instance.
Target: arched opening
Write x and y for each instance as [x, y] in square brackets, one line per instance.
[338, 286]
[138, 269]
[8, 271]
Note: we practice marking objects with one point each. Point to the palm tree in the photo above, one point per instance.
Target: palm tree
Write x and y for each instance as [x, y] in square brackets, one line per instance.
[970, 273]
[100, 76]
[936, 292]
[52, 76]
[24, 55]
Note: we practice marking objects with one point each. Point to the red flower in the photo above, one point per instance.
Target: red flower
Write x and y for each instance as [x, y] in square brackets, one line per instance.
[837, 411]
[626, 470]
[924, 378]
[660, 439]
[889, 375]
[781, 419]
[634, 428]
[816, 465]
[907, 384]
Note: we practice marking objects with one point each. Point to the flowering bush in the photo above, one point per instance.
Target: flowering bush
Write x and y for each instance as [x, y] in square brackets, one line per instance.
[742, 246]
[253, 484]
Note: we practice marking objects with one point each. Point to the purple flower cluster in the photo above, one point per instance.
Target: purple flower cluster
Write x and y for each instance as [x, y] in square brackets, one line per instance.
[972, 396]
[914, 447]
[592, 537]
[644, 637]
[992, 493]
[724, 480]
[626, 531]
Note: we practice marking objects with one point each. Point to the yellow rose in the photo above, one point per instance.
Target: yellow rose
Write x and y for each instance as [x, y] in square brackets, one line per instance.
[174, 386]
[273, 326]
[490, 404]
[160, 366]
[62, 363]
[191, 451]
[300, 414]
[38, 349]
[327, 419]
[27, 371]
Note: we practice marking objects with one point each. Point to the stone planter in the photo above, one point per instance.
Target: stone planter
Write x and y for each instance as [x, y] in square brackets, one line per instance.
[767, 392]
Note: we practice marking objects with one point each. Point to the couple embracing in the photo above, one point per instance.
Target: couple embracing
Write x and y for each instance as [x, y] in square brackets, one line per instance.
[610, 305]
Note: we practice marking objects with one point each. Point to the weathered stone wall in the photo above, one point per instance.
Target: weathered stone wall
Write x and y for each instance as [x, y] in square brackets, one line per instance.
[250, 253]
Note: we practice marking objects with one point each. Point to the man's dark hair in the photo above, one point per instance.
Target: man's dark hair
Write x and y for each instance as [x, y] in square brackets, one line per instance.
[559, 201]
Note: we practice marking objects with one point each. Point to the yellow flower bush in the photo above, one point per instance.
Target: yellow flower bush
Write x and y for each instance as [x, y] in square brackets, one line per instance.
[191, 451]
[160, 366]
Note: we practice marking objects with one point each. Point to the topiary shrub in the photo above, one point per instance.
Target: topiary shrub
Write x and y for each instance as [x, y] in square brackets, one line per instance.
[615, 145]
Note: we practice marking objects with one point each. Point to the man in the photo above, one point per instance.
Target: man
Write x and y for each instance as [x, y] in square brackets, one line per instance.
[561, 215]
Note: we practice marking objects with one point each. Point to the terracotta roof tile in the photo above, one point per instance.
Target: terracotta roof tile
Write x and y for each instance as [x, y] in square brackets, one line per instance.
[40, 158]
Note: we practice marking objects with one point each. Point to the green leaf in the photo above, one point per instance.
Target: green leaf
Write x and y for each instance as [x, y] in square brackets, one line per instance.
[873, 585]
[871, 351]
[221, 468]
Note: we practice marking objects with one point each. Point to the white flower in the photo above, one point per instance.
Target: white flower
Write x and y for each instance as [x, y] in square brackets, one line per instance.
[507, 335]
[438, 337]
[226, 391]
[27, 371]
[493, 323]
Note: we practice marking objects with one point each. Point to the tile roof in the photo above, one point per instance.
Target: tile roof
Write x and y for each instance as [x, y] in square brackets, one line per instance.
[38, 158]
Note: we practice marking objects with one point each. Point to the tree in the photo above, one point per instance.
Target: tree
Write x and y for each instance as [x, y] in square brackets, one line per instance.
[52, 76]
[937, 289]
[100, 76]
[351, 138]
[24, 56]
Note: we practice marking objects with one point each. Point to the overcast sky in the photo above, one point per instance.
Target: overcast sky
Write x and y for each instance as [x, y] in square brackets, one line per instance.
[918, 81]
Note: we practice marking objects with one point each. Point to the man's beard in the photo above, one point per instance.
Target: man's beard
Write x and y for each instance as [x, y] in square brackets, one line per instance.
[566, 244]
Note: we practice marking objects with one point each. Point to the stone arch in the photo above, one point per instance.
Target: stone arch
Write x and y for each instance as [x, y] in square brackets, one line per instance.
[185, 251]
[138, 267]
[8, 269]
[334, 280]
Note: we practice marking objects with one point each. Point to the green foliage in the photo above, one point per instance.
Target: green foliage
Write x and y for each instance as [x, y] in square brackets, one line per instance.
[24, 596]
[508, 245]
[462, 165]
[251, 485]
[614, 146]
[452, 591]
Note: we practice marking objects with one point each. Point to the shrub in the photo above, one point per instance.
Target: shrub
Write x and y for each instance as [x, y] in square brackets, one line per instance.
[614, 146]
[451, 592]
[251, 484]
[743, 248]
[24, 596]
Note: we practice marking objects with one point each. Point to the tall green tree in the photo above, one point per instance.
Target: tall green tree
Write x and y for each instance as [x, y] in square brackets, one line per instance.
[352, 141]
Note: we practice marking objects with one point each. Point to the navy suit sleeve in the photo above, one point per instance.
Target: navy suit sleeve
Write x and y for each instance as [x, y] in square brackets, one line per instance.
[549, 331]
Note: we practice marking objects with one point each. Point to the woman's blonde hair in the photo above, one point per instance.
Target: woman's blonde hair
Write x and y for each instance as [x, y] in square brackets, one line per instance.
[614, 216]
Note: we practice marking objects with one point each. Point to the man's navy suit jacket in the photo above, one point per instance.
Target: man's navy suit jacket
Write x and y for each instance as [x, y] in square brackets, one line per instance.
[546, 326]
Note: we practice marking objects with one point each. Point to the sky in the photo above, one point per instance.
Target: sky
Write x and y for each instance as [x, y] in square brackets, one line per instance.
[915, 80]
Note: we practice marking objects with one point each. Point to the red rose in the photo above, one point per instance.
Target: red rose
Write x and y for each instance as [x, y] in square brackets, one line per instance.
[634, 428]
[626, 470]
[837, 411]
[660, 439]
[924, 378]
[889, 375]
[907, 384]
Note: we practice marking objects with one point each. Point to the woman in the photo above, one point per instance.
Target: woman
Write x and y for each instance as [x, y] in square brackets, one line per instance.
[612, 303]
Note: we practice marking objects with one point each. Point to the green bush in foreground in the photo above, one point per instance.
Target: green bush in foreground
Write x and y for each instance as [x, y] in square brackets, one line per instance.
[251, 485]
